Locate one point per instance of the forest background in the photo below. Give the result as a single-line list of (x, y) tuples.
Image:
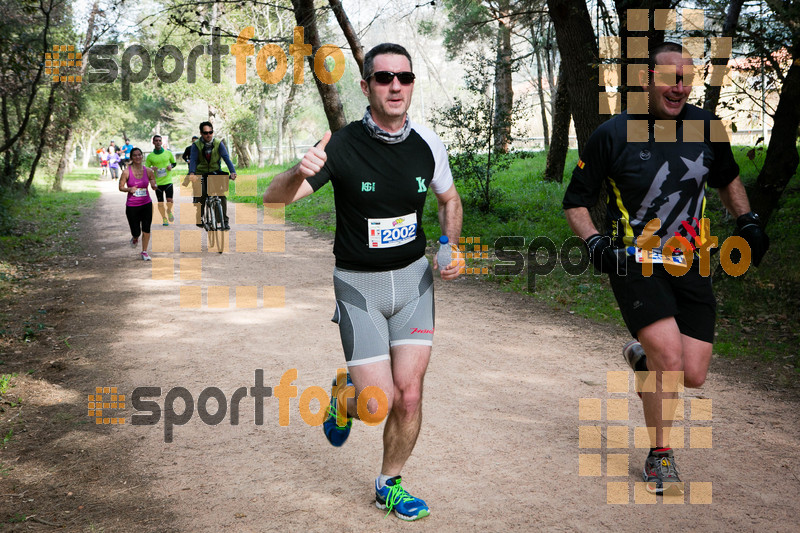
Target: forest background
[(513, 87)]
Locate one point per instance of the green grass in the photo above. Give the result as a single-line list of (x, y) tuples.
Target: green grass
[(316, 211), (36, 227), (764, 304), (36, 221), (5, 383)]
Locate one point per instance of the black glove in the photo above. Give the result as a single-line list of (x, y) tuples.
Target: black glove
[(748, 226), (604, 257)]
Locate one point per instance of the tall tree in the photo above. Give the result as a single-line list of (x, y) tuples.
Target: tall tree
[(556, 155), (782, 160), (349, 33), (472, 20), (503, 87), (652, 34), (728, 30), (579, 59), (73, 100), (25, 36), (306, 17)]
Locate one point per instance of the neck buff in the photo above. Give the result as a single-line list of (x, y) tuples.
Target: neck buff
[(376, 132), (157, 150)]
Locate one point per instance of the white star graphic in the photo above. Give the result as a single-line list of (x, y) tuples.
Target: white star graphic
[(695, 169)]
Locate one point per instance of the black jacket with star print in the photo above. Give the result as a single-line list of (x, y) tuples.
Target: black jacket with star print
[(662, 178)]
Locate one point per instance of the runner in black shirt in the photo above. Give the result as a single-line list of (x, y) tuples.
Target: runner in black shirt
[(671, 316), (187, 154), (381, 168)]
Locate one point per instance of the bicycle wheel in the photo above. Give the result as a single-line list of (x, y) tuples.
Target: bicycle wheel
[(209, 223), (218, 214), (219, 240)]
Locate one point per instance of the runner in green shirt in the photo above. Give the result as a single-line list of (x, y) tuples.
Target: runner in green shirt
[(161, 161)]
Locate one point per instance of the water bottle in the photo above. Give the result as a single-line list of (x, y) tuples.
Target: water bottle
[(444, 255)]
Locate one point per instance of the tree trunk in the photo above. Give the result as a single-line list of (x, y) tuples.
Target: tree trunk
[(24, 118), (537, 51), (576, 43), (556, 156), (241, 150), (64, 161), (42, 134), (550, 57), (88, 148), (72, 101), (261, 126), (287, 113), (331, 103), (728, 30), (277, 156), (349, 33), (579, 57), (7, 177), (248, 147), (653, 36), (504, 89), (781, 161)]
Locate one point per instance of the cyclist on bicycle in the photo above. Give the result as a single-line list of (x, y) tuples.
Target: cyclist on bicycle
[(205, 159)]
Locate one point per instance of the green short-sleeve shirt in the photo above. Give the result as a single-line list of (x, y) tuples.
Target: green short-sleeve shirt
[(161, 162)]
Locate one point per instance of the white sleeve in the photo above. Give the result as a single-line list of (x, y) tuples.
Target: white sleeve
[(442, 177)]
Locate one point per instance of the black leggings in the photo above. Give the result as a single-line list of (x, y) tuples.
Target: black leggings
[(139, 218)]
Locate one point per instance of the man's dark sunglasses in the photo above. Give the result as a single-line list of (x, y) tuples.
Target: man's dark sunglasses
[(384, 77), (669, 79), (207, 132)]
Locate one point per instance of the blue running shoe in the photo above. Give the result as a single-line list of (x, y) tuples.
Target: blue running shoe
[(336, 434), (393, 497)]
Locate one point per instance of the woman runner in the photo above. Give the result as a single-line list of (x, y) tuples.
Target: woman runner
[(139, 206)]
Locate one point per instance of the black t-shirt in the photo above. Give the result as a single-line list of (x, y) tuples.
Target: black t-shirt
[(379, 192), (647, 180)]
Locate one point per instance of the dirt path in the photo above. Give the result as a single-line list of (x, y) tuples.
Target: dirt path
[(499, 448)]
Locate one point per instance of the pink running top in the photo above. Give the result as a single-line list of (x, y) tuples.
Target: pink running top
[(141, 183)]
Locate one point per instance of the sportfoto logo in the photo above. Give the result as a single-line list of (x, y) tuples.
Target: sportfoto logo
[(102, 58), (149, 411), (542, 255)]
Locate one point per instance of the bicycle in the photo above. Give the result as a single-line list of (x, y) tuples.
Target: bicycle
[(213, 216)]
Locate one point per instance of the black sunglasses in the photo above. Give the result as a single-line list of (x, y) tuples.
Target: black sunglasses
[(207, 132), (669, 79), (384, 77)]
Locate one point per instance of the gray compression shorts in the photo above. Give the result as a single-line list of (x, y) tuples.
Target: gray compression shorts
[(378, 310)]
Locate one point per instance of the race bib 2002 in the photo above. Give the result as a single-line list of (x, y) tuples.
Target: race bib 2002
[(391, 232)]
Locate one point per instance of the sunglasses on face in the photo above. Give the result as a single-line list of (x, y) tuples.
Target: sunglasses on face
[(207, 132), (669, 79), (384, 77)]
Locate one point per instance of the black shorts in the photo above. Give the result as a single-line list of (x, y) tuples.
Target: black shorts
[(644, 300), (139, 218), (164, 189)]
